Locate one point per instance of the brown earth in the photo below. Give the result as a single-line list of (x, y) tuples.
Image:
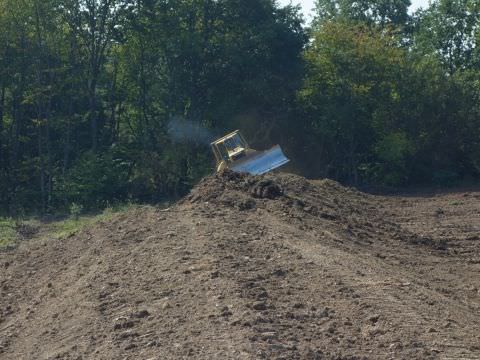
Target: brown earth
[(245, 267)]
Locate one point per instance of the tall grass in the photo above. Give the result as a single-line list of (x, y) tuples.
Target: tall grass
[(8, 232)]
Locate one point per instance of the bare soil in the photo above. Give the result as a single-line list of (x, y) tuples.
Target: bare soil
[(273, 267)]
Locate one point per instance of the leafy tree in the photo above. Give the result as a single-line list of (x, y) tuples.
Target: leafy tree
[(376, 112), (208, 62), (379, 12), (89, 89), (446, 30), (349, 94), (95, 25)]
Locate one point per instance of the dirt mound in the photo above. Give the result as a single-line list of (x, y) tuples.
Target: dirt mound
[(360, 216), (234, 190), (220, 188), (245, 267), (281, 194)]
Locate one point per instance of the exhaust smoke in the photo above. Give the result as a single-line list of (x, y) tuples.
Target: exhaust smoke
[(183, 131)]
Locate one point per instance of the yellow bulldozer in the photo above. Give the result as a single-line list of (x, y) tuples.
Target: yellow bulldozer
[(232, 152)]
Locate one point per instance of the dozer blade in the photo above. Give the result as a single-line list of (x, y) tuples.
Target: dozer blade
[(261, 162)]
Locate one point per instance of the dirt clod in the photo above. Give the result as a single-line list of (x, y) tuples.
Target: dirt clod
[(141, 314)]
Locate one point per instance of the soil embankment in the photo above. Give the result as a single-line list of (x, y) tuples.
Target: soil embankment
[(248, 267)]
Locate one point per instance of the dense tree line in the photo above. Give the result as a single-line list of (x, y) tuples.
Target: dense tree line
[(391, 98), (368, 94)]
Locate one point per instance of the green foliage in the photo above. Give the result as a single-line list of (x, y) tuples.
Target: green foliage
[(70, 226), (392, 151), (96, 179), (8, 233), (371, 95), (446, 30), (379, 12), (376, 111), (446, 178), (394, 147), (75, 211), (350, 93)]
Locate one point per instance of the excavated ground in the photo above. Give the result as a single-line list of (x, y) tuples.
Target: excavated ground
[(273, 267)]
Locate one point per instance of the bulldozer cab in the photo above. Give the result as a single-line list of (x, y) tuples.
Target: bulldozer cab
[(230, 148), (232, 152)]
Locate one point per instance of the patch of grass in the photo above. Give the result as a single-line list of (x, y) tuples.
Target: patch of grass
[(77, 222), (8, 232), (12, 230), (69, 227)]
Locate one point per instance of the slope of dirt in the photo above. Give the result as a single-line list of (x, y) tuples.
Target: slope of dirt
[(246, 267)]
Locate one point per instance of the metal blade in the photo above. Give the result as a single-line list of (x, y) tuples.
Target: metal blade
[(262, 162)]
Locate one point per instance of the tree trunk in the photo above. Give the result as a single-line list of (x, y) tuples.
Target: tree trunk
[(143, 98), (2, 107), (42, 170), (3, 170), (73, 64), (113, 103), (14, 150), (49, 155), (67, 146), (92, 102)]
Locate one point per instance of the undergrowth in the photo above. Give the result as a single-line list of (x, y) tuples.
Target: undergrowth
[(8, 233), (11, 230), (77, 222)]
